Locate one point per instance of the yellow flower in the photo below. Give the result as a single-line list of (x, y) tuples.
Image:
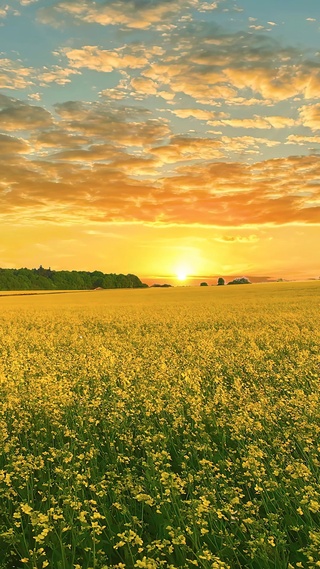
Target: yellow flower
[(26, 509)]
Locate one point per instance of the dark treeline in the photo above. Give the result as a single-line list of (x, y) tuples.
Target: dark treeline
[(46, 279)]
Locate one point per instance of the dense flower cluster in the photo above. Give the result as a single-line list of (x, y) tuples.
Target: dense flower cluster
[(157, 428)]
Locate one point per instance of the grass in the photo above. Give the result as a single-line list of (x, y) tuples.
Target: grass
[(172, 428)]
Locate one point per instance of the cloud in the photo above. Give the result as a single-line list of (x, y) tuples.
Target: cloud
[(35, 96), (16, 115), (94, 153), (93, 57), (58, 138), (208, 6), (4, 11), (244, 143), (136, 14), (137, 166), (167, 95), (10, 145), (237, 239), (189, 148), (209, 64), (302, 140), (113, 94), (310, 116), (277, 192), (258, 122), (200, 114), (204, 87), (194, 58), (144, 86), (182, 148), (278, 84), (255, 122), (111, 162), (56, 74), (281, 121), (248, 102), (124, 126), (13, 75), (7, 9)]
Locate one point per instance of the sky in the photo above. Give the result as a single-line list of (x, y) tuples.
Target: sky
[(164, 138)]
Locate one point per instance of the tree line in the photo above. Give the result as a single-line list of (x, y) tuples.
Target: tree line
[(46, 279), (222, 282)]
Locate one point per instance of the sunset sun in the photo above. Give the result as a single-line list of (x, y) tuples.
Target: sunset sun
[(182, 275)]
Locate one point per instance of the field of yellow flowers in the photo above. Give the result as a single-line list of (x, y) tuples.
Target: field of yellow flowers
[(161, 428)]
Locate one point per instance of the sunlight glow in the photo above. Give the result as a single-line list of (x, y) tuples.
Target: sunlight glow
[(181, 275)]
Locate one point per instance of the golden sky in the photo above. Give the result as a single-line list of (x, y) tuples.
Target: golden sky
[(156, 137)]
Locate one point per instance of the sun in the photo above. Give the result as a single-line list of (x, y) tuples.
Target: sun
[(182, 275)]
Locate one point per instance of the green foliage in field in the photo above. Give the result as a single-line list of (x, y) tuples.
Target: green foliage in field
[(46, 279), (150, 429)]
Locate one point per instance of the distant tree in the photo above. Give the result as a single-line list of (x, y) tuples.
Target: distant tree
[(203, 284), (221, 281), (47, 273), (241, 280)]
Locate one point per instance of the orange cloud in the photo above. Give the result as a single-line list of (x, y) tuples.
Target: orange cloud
[(302, 140), (210, 68), (310, 116), (56, 74), (136, 14), (93, 57), (15, 115), (96, 162), (258, 122), (13, 75), (243, 143), (200, 114), (220, 194), (181, 148), (9, 145), (144, 86), (127, 126), (237, 239)]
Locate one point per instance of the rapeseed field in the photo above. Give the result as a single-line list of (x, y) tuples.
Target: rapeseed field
[(161, 428)]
